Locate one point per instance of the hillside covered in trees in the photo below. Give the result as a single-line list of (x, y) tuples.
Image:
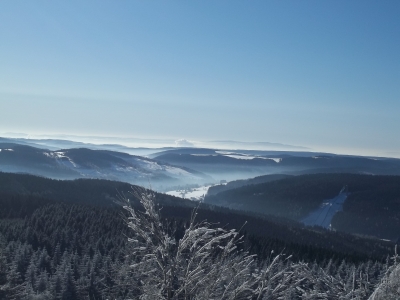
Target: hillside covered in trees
[(372, 207), (68, 239)]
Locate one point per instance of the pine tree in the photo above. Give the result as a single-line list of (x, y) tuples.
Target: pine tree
[(56, 284), (14, 288), (31, 272), (3, 275), (69, 290), (42, 282)]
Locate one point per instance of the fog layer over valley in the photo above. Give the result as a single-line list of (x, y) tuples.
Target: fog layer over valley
[(243, 164), (87, 163)]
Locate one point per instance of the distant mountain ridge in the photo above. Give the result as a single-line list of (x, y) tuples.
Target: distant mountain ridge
[(168, 168), (239, 164), (255, 145), (87, 163), (56, 144), (128, 142)]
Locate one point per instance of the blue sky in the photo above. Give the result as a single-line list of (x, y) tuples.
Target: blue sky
[(320, 74)]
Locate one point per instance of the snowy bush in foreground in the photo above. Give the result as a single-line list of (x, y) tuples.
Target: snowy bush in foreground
[(205, 263), (389, 288)]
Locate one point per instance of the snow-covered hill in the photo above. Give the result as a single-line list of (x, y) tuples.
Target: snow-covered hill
[(86, 163)]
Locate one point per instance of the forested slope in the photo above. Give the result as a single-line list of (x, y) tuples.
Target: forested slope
[(19, 192), (215, 189), (71, 251), (372, 207)]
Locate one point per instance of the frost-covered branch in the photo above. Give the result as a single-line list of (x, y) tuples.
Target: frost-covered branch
[(206, 263)]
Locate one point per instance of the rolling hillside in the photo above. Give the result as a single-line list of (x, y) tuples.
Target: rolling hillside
[(22, 195), (243, 182), (240, 164), (371, 208), (87, 163)]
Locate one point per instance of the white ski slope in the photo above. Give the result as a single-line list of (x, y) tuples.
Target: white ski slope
[(324, 214)]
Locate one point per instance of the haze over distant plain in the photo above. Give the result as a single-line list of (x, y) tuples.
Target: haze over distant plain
[(319, 74)]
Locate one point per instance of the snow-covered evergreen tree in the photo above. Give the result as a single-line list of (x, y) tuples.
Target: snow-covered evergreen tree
[(389, 288)]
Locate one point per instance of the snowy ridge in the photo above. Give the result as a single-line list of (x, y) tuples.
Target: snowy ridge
[(238, 155)]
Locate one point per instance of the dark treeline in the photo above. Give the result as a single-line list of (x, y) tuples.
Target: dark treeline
[(97, 192), (65, 251)]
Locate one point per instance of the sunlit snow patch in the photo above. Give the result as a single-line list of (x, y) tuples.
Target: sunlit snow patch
[(58, 156), (237, 155), (277, 160), (240, 156), (194, 194)]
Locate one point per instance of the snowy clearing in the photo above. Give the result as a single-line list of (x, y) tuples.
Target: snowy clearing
[(194, 194), (324, 214)]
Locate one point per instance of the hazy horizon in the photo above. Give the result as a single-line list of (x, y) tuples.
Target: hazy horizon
[(137, 142), (324, 75)]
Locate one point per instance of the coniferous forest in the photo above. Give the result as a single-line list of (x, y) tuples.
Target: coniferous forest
[(82, 246)]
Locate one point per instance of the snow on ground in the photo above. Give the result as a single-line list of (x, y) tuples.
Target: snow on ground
[(225, 152), (323, 215), (58, 156), (194, 194), (237, 155), (172, 171), (277, 160), (123, 169), (150, 165), (55, 154), (7, 150), (131, 166)]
